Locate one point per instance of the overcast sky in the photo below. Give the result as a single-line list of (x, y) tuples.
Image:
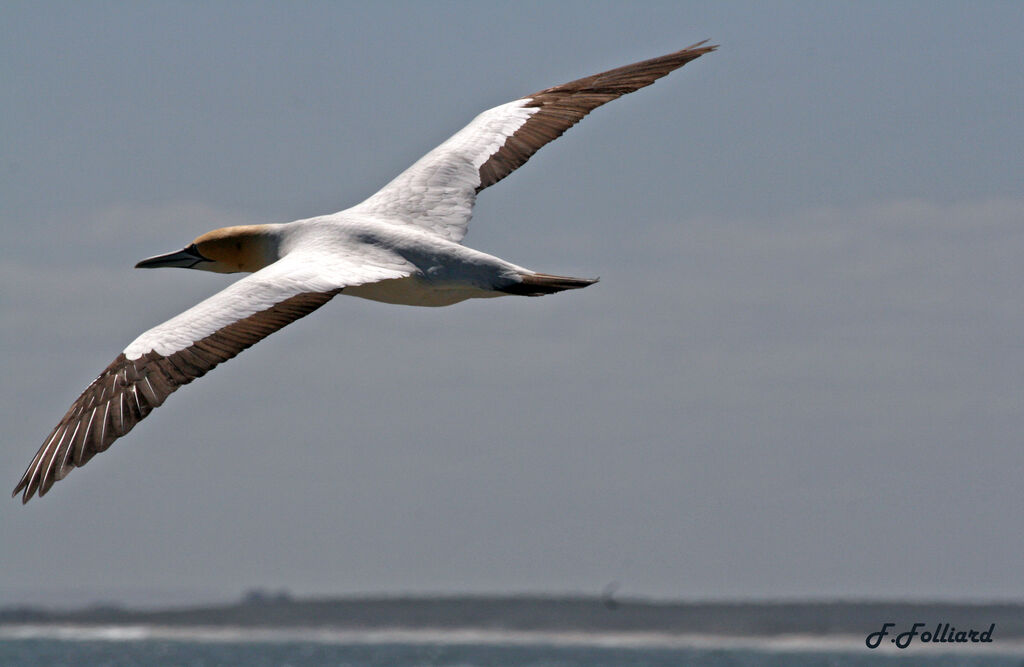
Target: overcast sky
[(800, 375)]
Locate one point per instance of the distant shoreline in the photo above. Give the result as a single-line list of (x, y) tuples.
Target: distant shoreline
[(514, 618)]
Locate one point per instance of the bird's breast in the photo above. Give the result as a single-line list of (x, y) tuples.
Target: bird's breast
[(416, 290)]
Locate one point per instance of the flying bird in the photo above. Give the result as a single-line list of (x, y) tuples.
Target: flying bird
[(402, 246)]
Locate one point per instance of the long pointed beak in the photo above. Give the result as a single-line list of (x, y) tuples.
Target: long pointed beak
[(185, 259)]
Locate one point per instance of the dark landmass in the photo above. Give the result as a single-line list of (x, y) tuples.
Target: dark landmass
[(525, 613)]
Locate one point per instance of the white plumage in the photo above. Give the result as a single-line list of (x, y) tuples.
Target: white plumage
[(400, 246)]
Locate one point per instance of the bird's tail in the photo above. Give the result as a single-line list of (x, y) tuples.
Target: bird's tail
[(539, 284)]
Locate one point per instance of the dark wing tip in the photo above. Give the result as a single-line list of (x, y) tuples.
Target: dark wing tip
[(698, 45), (129, 389), (628, 78), (558, 108), (28, 482)]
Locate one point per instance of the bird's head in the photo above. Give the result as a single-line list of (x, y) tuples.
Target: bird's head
[(244, 248)]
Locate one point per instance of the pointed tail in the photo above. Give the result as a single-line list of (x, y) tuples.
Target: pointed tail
[(539, 284)]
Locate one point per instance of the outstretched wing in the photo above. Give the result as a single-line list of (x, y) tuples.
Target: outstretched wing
[(184, 348), (439, 190)]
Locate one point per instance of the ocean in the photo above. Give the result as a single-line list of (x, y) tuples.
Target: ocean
[(127, 646)]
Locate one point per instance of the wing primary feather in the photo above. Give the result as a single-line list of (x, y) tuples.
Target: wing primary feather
[(62, 471), (51, 458), (129, 389), (80, 444), (29, 479)]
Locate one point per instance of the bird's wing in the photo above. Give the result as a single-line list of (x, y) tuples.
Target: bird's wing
[(186, 347), (437, 192)]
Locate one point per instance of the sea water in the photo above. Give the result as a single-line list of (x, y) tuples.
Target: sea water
[(149, 647)]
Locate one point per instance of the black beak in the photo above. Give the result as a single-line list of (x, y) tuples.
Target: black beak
[(185, 259)]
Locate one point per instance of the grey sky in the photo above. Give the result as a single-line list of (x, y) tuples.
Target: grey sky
[(799, 376)]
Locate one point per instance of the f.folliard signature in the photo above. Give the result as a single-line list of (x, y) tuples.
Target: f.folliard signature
[(944, 633)]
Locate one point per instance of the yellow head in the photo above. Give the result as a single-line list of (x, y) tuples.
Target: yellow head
[(227, 250)]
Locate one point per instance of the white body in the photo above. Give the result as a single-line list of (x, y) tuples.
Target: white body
[(355, 252)]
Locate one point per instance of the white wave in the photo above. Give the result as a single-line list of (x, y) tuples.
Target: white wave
[(638, 640)]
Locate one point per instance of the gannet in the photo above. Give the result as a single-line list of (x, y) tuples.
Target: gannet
[(401, 246)]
